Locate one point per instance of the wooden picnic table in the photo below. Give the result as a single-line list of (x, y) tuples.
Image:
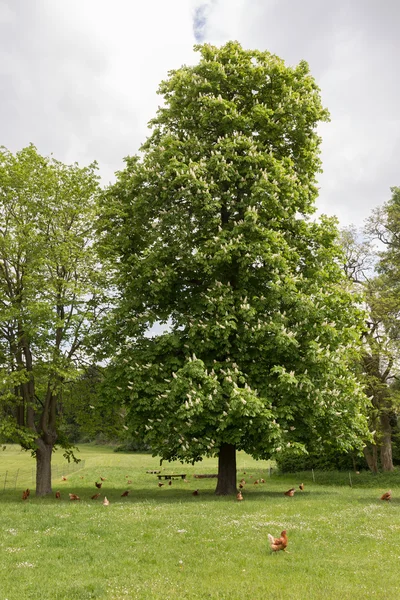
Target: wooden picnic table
[(172, 476)]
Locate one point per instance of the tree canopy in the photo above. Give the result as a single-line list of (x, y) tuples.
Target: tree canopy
[(383, 297), (211, 233), (49, 292)]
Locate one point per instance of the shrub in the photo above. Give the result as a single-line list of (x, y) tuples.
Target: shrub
[(288, 462), (134, 445)]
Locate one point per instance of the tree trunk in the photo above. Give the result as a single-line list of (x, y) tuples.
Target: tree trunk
[(386, 443), (226, 470), (371, 458), (43, 468)]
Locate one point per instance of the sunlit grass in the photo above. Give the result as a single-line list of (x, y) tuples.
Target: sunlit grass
[(166, 543)]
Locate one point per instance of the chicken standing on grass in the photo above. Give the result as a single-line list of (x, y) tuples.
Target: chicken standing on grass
[(95, 496), (387, 496), (98, 485), (74, 497), (278, 543), (290, 492), (125, 494), (105, 501), (301, 487), (58, 495)]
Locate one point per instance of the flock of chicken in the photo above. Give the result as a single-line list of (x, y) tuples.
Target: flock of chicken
[(282, 542), (276, 544), (242, 483), (98, 484)]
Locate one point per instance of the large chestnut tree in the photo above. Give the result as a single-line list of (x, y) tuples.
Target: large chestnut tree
[(210, 232)]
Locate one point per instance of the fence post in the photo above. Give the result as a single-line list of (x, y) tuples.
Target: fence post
[(5, 481), (16, 479)]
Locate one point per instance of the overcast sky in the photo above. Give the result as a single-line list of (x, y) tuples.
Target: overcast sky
[(78, 78)]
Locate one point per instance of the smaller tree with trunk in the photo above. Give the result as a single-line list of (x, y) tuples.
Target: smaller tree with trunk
[(211, 235), (380, 365), (381, 360), (49, 293)]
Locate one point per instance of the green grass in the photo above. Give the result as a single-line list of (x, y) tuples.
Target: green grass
[(165, 543)]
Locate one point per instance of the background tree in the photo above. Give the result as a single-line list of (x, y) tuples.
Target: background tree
[(381, 344), (49, 291), (86, 413), (380, 362), (211, 234), (383, 297)]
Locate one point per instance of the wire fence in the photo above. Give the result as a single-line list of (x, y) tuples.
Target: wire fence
[(9, 480)]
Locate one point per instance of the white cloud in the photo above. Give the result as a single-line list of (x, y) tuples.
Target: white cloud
[(352, 49), (6, 14), (79, 78), (82, 78), (224, 20)]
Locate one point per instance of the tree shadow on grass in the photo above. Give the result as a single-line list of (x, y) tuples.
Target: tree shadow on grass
[(170, 495), (375, 499)]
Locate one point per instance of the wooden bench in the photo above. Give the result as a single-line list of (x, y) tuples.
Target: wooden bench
[(181, 475)]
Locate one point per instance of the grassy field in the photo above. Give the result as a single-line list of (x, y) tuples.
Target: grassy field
[(166, 543)]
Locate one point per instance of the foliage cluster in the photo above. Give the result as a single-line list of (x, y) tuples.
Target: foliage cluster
[(51, 290), (212, 235), (375, 271), (288, 462)]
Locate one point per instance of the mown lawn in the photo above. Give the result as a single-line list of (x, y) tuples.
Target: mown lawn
[(166, 543)]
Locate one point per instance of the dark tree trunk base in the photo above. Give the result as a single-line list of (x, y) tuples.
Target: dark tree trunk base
[(226, 485), (371, 458), (43, 468), (386, 443)]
